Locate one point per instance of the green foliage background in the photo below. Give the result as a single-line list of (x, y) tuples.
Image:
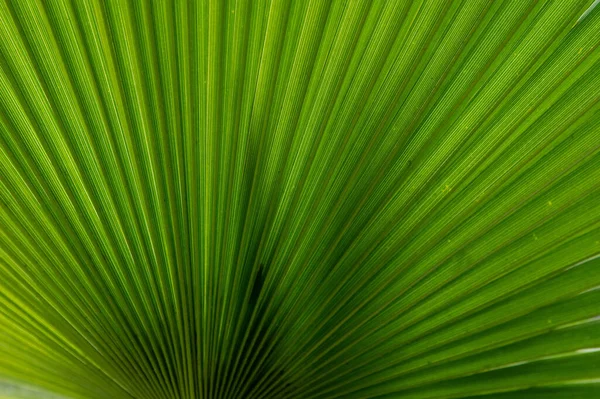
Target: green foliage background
[(300, 199)]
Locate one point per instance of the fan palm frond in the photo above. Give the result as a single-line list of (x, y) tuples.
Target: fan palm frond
[(300, 199)]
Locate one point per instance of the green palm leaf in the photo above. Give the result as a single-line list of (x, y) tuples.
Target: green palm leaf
[(299, 199)]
